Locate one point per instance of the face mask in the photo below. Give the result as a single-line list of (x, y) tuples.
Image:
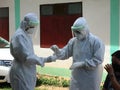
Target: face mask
[(80, 34), (31, 30), (116, 67)]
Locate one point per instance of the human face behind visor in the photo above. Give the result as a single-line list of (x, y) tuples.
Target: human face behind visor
[(80, 34), (79, 28), (30, 23), (31, 30)]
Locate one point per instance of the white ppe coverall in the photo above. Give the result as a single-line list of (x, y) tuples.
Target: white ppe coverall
[(89, 51), (23, 70)]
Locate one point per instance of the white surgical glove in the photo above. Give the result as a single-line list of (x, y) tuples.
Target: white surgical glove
[(50, 59), (41, 61), (55, 48), (77, 65)]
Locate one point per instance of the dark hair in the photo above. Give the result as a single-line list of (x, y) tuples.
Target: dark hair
[(116, 54)]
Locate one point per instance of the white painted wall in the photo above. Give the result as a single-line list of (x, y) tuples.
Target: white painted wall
[(97, 13)]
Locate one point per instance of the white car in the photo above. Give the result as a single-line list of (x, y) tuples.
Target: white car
[(5, 62)]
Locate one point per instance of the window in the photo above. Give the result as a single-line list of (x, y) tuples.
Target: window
[(47, 10), (4, 12), (75, 8)]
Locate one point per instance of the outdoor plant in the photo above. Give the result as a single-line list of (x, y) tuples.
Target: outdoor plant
[(52, 80)]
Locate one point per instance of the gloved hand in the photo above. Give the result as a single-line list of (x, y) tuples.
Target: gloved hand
[(41, 61), (50, 59), (33, 59), (77, 65), (55, 48)]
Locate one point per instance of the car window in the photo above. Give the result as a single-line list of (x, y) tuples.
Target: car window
[(4, 43)]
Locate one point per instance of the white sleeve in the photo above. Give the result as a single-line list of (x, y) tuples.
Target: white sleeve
[(98, 55)]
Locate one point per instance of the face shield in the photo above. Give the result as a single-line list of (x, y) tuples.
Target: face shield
[(80, 35), (31, 24), (79, 32), (79, 28)]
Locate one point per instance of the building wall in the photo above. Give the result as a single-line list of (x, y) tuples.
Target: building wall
[(97, 13)]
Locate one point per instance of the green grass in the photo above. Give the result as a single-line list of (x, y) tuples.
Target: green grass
[(54, 71), (104, 76), (6, 89)]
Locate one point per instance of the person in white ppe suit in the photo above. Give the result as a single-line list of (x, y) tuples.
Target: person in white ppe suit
[(23, 70), (87, 51)]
